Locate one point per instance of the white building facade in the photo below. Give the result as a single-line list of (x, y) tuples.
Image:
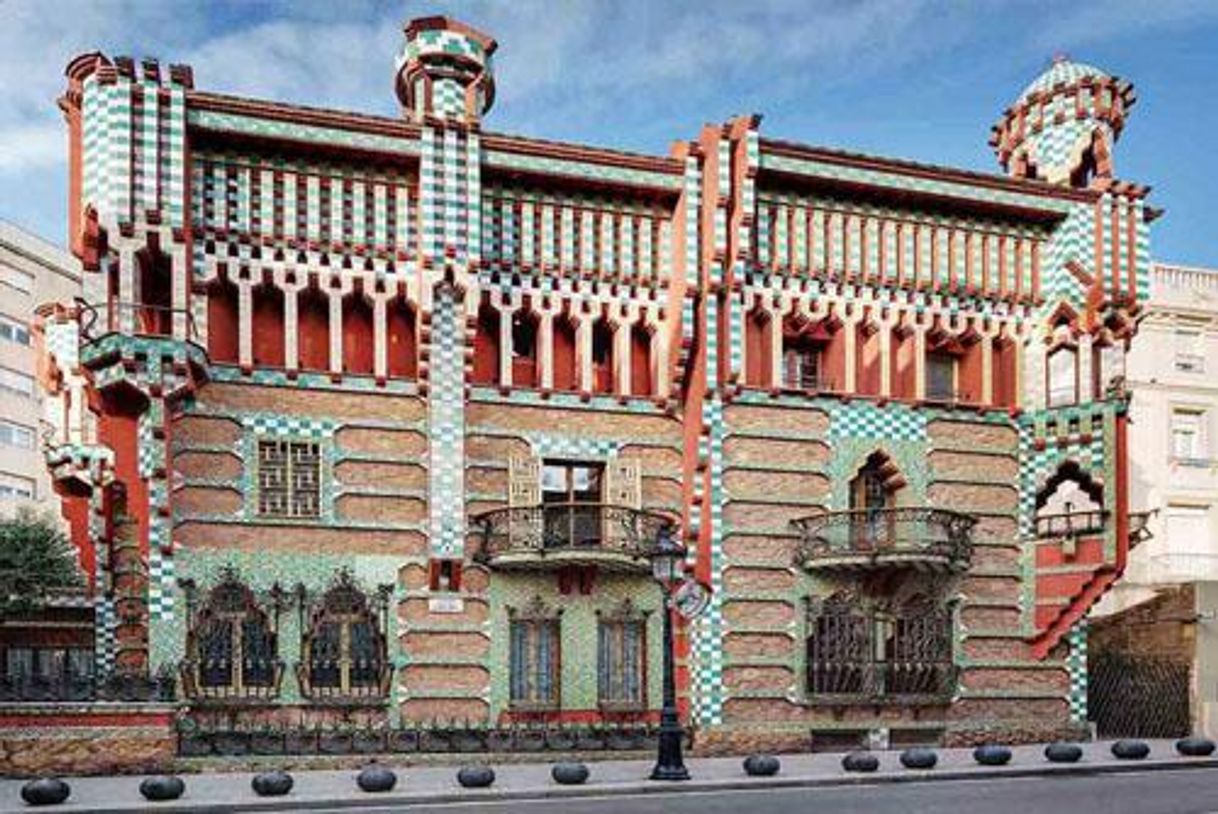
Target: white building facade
[(32, 271)]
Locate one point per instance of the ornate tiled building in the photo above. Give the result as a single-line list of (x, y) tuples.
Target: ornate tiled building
[(379, 417)]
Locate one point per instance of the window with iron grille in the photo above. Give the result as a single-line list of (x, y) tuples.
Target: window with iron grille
[(534, 663), (620, 664), (231, 645), (801, 366), (859, 649), (344, 649), (289, 478)]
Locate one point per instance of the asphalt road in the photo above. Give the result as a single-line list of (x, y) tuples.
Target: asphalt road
[(1193, 791)]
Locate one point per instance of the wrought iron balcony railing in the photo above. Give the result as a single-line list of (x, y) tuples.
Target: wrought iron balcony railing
[(220, 681), (100, 318), (343, 682), (553, 535), (876, 538), (1071, 524)]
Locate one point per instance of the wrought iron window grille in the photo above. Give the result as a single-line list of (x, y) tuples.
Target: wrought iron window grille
[(232, 643), (861, 651), (344, 643)]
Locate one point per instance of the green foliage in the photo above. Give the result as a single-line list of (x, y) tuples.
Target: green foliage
[(36, 560)]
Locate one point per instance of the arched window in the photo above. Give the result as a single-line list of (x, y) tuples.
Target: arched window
[(401, 347), (231, 643), (155, 314), (358, 335), (486, 346), (267, 326), (602, 356), (343, 649), (1062, 376), (872, 495), (223, 326), (313, 330), (1070, 503), (640, 360), (524, 349)]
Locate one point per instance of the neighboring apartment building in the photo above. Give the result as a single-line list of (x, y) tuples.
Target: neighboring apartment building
[(1172, 374), (339, 352), (32, 271)]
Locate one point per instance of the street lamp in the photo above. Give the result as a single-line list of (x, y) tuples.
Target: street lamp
[(667, 565)]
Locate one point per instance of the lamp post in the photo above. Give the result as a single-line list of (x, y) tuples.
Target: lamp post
[(667, 560)]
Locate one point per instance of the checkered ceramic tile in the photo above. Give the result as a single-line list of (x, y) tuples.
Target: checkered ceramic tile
[(1076, 666), (446, 422), (862, 419)]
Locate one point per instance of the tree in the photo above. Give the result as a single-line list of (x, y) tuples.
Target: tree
[(36, 560)]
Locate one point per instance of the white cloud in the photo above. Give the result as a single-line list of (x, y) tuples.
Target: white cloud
[(567, 68)]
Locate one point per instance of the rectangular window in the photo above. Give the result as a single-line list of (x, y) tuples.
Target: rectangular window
[(17, 280), (620, 664), (1063, 377), (1187, 529), (801, 368), (940, 377), (16, 382), (13, 330), (534, 663), (16, 487), (572, 494), (289, 478), (16, 435), (1190, 357), (1188, 442)]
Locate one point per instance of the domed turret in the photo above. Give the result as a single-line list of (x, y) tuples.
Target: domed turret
[(1063, 126), (444, 70)]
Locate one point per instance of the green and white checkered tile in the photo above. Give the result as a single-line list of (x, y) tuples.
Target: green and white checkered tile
[(446, 420), (1076, 665), (295, 426), (547, 445), (866, 420)]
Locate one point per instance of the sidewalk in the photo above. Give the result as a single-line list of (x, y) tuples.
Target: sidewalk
[(225, 792)]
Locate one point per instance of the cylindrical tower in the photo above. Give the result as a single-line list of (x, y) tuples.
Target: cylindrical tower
[(444, 70), (1063, 126)]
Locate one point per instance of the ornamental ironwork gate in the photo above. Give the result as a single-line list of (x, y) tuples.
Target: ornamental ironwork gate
[(1132, 697)]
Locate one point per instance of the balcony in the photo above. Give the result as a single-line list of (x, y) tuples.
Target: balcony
[(557, 535), (1071, 524), (873, 539), (224, 682)]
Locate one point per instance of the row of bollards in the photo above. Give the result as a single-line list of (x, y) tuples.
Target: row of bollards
[(376, 778)]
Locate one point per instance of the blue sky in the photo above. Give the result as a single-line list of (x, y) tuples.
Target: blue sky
[(915, 79)]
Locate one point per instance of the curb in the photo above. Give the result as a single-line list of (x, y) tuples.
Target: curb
[(649, 787)]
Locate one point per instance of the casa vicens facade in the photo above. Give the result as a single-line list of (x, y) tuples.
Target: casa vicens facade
[(378, 418)]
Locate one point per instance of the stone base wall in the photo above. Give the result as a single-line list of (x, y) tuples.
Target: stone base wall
[(85, 739)]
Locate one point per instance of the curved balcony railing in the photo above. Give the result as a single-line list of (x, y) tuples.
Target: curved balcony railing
[(224, 681), (919, 537), (554, 535), (345, 682), (100, 318)]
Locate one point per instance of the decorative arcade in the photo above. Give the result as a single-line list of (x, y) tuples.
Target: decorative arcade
[(369, 426)]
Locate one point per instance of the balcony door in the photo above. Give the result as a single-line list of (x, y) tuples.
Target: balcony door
[(572, 493), (870, 498)]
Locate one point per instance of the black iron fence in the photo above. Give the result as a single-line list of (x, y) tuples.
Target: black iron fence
[(1137, 697), (33, 687), (452, 738)]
